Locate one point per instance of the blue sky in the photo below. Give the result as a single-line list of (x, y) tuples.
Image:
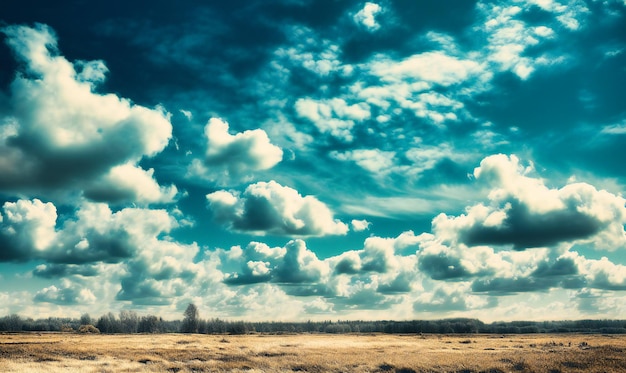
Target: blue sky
[(300, 159)]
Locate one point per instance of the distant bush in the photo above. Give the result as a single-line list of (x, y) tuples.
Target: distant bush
[(88, 329), (66, 328)]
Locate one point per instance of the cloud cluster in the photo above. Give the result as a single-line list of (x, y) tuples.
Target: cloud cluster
[(234, 156), (270, 208), (96, 248), (334, 116), (62, 134), (371, 277), (29, 230), (525, 213), (293, 264), (430, 273)]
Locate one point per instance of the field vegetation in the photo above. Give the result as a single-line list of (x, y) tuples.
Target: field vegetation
[(311, 352)]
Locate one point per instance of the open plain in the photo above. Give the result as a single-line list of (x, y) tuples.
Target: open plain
[(67, 352)]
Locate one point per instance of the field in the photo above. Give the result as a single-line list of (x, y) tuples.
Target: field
[(61, 352)]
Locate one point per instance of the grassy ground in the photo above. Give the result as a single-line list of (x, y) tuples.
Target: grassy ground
[(311, 353)]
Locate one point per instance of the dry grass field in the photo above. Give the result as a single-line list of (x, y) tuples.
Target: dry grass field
[(59, 352)]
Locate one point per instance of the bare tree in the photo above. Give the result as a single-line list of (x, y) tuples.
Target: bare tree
[(191, 321), (129, 321)]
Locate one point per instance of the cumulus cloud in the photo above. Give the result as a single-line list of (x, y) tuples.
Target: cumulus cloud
[(380, 263), (129, 183), (29, 230), (60, 133), (128, 248), (293, 264), (56, 270), (233, 156), (367, 16), (300, 265), (67, 294), (524, 212), (26, 229), (270, 208), (450, 298), (603, 274), (379, 268)]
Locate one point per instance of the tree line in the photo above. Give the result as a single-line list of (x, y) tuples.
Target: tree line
[(130, 322)]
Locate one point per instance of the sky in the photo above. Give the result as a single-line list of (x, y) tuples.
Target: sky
[(314, 159)]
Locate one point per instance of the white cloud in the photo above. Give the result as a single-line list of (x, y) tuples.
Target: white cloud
[(449, 298), (234, 156), (309, 51), (129, 183), (523, 212), (509, 37), (373, 160), (334, 116), (61, 133), (378, 267), (67, 295), (367, 16), (293, 264), (270, 208), (615, 129), (426, 157), (360, 225), (409, 84), (26, 227), (188, 114), (433, 67)]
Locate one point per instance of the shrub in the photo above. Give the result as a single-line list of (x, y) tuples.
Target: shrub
[(88, 329), (66, 328)]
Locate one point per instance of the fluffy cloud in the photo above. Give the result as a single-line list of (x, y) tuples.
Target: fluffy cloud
[(67, 294), (129, 183), (126, 249), (379, 269), (233, 156), (603, 274), (29, 230), (450, 298), (61, 134), (430, 67), (56, 270), (270, 208), (26, 229), (360, 225), (293, 264), (367, 16), (523, 212)]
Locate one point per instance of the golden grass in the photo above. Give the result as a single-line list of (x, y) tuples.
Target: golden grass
[(61, 352)]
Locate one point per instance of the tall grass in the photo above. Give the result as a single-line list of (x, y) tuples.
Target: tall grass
[(64, 352)]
